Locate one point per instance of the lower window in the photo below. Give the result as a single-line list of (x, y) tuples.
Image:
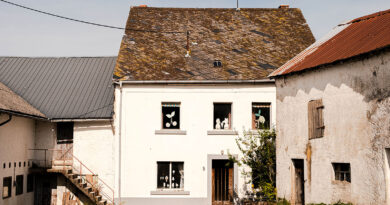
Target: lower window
[(19, 185), (170, 175), (342, 171), (7, 189)]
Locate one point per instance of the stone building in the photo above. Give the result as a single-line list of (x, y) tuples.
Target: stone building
[(333, 117)]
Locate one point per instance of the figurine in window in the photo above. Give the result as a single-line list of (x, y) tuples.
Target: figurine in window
[(261, 120), (225, 124), (218, 124)]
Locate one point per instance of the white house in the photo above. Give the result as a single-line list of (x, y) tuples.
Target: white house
[(17, 123), (333, 123), (188, 82), (74, 101)]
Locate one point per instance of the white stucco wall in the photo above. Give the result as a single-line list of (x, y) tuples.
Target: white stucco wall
[(93, 145), (357, 121), (142, 148), (16, 137)]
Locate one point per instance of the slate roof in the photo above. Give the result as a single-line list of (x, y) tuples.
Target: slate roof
[(250, 43), (357, 37), (11, 102), (63, 88)]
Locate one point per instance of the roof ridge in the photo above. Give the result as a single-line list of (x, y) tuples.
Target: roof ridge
[(57, 56), (200, 8), (370, 16)]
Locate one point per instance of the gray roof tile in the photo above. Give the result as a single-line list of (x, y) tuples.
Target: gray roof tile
[(63, 88)]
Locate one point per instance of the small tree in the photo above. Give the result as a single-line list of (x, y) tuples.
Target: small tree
[(259, 154)]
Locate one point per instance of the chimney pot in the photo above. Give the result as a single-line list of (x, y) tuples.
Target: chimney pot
[(143, 5), (284, 6)]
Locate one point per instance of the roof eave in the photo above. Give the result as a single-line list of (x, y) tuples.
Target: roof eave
[(164, 82)]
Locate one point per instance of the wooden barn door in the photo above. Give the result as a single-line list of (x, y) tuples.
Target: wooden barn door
[(299, 185), (222, 182), (64, 145)]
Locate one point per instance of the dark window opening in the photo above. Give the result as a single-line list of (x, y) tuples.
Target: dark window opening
[(170, 175), (261, 115), (20, 164), (30, 182), (217, 63), (19, 185), (65, 132), (342, 171), (4, 165), (9, 165), (171, 115), (7, 189), (24, 164), (222, 116), (316, 119)]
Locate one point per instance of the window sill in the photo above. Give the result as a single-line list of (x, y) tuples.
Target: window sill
[(222, 132), (169, 192), (170, 132)]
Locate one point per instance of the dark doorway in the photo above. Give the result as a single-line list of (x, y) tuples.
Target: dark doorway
[(299, 182), (222, 182), (44, 184)]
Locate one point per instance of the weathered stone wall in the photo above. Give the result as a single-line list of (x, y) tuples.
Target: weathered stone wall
[(356, 96)]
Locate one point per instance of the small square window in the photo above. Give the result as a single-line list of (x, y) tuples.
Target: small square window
[(261, 115), (19, 184), (7, 189), (222, 116), (170, 175), (30, 182), (342, 171), (171, 115), (65, 132)]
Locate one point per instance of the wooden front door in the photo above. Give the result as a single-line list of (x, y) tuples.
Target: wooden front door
[(222, 182), (299, 185)]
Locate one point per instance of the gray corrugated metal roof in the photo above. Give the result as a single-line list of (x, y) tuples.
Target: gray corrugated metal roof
[(63, 88)]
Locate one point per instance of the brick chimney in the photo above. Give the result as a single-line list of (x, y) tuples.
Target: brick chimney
[(284, 6)]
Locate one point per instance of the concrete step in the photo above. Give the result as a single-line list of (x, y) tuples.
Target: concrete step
[(88, 188), (98, 197), (102, 202)]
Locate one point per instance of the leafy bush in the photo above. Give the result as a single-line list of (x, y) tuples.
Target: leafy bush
[(259, 154)]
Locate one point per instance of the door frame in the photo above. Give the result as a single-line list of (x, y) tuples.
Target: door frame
[(209, 168), (293, 191)]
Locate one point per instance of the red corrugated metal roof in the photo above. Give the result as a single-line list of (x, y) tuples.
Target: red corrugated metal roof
[(356, 37)]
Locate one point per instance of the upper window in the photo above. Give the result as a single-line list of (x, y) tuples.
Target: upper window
[(30, 182), (342, 171), (65, 132), (316, 119), (261, 115), (170, 175), (19, 184), (222, 116), (7, 189), (171, 115)]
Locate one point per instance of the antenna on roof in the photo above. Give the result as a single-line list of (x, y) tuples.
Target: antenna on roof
[(188, 45)]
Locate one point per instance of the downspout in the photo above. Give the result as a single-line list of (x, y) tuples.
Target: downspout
[(120, 144), (7, 121)]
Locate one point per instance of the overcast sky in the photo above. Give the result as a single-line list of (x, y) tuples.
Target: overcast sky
[(26, 33)]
